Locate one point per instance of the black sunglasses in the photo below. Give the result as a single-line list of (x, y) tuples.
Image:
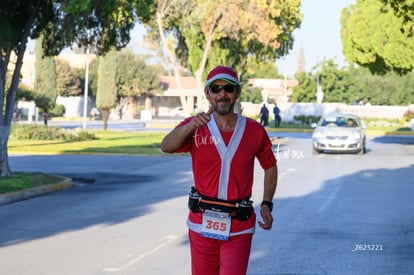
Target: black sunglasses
[(228, 88)]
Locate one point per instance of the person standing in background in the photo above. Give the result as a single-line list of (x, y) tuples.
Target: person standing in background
[(264, 116), (278, 119)]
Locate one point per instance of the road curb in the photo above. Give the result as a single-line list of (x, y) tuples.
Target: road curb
[(35, 191)]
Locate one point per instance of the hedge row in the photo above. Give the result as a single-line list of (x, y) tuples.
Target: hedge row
[(43, 132)]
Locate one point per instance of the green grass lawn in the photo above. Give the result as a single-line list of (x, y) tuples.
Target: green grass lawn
[(131, 143), (21, 180)]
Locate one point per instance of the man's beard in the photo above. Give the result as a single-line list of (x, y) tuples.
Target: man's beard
[(224, 111)]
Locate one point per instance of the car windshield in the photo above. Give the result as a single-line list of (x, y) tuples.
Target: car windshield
[(339, 121)]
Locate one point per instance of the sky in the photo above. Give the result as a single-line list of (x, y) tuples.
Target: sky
[(319, 35)]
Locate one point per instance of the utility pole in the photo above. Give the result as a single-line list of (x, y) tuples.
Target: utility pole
[(285, 81), (85, 99), (319, 91), (286, 44)]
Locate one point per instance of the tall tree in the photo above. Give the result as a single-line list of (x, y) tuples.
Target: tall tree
[(62, 23), (337, 84), (374, 37), (388, 89), (403, 9), (167, 10), (261, 69), (229, 31), (134, 78), (208, 33), (67, 82), (45, 81), (106, 94), (354, 85)]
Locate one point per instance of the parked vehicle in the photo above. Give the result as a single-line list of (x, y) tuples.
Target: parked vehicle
[(177, 112), (343, 133)]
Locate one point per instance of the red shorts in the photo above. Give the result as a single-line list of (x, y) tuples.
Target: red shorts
[(215, 257)]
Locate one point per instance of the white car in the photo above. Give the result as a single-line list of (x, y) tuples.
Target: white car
[(342, 133), (177, 112)]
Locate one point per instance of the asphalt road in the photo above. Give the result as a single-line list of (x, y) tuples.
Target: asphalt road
[(334, 214)]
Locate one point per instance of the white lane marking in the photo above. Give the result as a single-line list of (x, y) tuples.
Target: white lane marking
[(141, 256)]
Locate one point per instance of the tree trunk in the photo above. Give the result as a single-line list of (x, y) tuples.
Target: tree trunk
[(132, 107), (105, 117), (202, 101), (148, 103), (4, 158), (45, 116), (7, 116), (173, 61)]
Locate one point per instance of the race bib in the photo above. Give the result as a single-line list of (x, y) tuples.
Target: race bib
[(216, 225)]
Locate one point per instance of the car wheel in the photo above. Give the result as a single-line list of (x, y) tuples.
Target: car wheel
[(315, 151), (364, 149)]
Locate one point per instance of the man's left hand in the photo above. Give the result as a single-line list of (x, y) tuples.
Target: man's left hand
[(267, 218)]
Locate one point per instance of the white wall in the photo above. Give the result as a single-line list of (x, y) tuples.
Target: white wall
[(289, 110), (27, 109), (74, 105)]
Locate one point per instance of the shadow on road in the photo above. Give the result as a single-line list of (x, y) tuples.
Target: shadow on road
[(360, 223), (107, 193), (404, 140)]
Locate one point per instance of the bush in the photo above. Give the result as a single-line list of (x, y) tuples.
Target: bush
[(42, 132), (251, 95), (380, 122), (57, 111), (307, 120)]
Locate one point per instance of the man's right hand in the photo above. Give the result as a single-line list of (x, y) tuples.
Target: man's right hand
[(201, 119), (179, 135)]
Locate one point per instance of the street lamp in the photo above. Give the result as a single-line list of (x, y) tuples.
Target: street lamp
[(85, 100), (285, 81), (286, 45), (319, 92)]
